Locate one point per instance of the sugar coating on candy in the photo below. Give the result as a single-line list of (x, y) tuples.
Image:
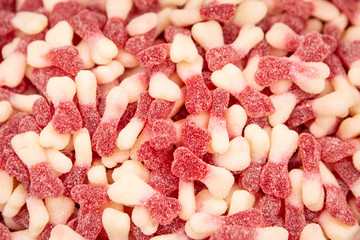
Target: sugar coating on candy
[(138, 234), (163, 134), (312, 48), (153, 55), (336, 205), (301, 113), (75, 177), (248, 218), (159, 109), (294, 221), (198, 97), (176, 225), (187, 165), (310, 152), (43, 182), (130, 112), (144, 105), (63, 11), (138, 43), (275, 180), (67, 58), (218, 12), (171, 31), (90, 117), (5, 22), (335, 65), (90, 197), (299, 8), (22, 218), (333, 149), (218, 57), (250, 177), (230, 32), (234, 232), (300, 94), (163, 180), (271, 69), (296, 23), (4, 232), (115, 30), (29, 124), (31, 5), (42, 112), (255, 103), (85, 24), (17, 168), (152, 158), (67, 118), (26, 40), (98, 12), (162, 209), (348, 52), (167, 67), (104, 138), (195, 138), (89, 224), (270, 207), (347, 171)]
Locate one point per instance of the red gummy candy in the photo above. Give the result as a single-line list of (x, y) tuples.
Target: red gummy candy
[(218, 12), (295, 7), (90, 117), (67, 58), (5, 22), (295, 22), (64, 11), (302, 112), (348, 52), (85, 24), (271, 69), (171, 31), (4, 232), (188, 166), (26, 40), (234, 232), (270, 207), (31, 5), (45, 234), (198, 97), (99, 13), (128, 114), (153, 55), (335, 65), (138, 234), (195, 138), (22, 217), (334, 149), (27, 124), (163, 134), (230, 32), (312, 48), (104, 138), (67, 118), (250, 178), (152, 158), (163, 180), (159, 109), (218, 57), (115, 30), (143, 4), (90, 197), (163, 209), (138, 43), (275, 180), (143, 106), (250, 218), (294, 220), (42, 112), (167, 67), (17, 168), (43, 181), (75, 177), (175, 226), (89, 224)]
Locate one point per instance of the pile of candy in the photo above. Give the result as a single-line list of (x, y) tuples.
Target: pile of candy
[(179, 119)]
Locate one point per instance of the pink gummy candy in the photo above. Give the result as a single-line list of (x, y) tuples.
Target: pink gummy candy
[(294, 220), (188, 166), (163, 134), (195, 138), (28, 123), (250, 218), (138, 234), (63, 11), (26, 40), (312, 48), (43, 181), (349, 52), (301, 113), (5, 22), (22, 218), (295, 22), (159, 109), (115, 30), (98, 12), (310, 150), (349, 7), (234, 232), (17, 168), (143, 4), (275, 180), (295, 7), (230, 32), (66, 58), (270, 207), (144, 104), (45, 234), (67, 118), (171, 31), (335, 65), (153, 55), (90, 117), (104, 138), (89, 224), (90, 197), (162, 209), (75, 177), (271, 69), (198, 97), (250, 177), (163, 180), (218, 57), (31, 5), (175, 226), (333, 149), (219, 104), (218, 12), (85, 24), (152, 158), (4, 232), (138, 43), (261, 49), (167, 67), (129, 113), (42, 112)]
